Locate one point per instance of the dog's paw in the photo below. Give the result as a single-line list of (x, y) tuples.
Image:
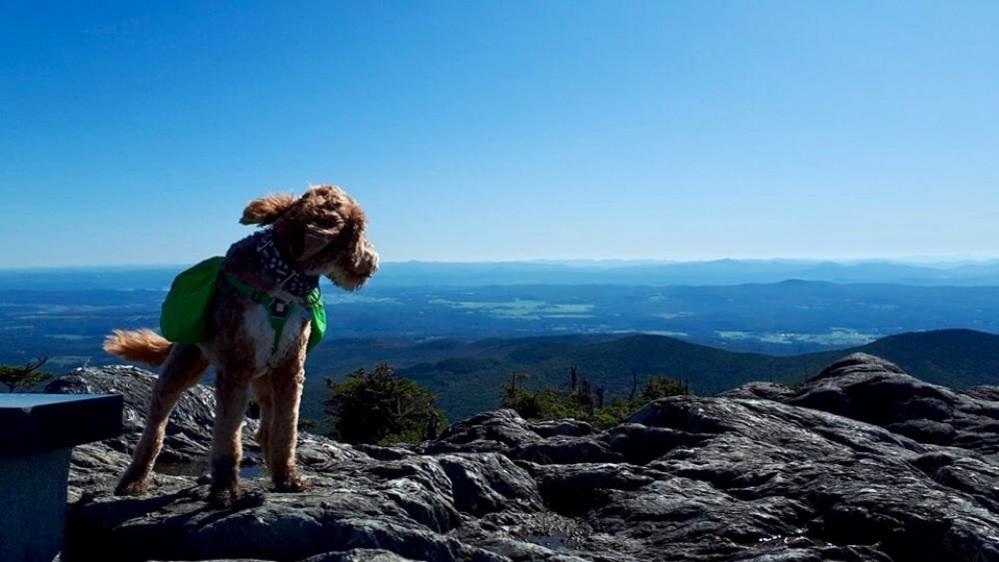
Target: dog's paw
[(225, 498), (131, 487), (293, 485)]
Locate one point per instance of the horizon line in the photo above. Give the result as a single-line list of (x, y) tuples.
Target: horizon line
[(908, 260)]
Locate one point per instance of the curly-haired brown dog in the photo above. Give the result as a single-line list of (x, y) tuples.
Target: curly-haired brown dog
[(319, 233)]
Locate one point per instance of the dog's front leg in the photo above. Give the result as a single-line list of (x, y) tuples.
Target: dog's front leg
[(231, 394), (287, 381)]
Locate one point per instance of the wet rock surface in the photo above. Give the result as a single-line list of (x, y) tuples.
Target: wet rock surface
[(862, 462)]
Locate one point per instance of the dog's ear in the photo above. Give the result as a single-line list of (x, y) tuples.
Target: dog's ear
[(267, 209), (317, 238)]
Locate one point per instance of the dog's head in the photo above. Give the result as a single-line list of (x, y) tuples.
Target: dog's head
[(323, 231)]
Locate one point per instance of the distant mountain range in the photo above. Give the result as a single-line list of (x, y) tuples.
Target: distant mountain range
[(414, 273), (462, 328), (718, 272), (467, 376)]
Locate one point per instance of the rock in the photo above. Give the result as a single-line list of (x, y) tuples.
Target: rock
[(355, 555), (188, 433), (486, 432), (358, 555), (861, 463), (765, 390), (566, 450), (869, 389), (640, 444), (569, 428)]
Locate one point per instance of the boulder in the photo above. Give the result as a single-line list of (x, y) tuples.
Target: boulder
[(861, 462)]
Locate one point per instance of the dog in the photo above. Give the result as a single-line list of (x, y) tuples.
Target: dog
[(320, 233)]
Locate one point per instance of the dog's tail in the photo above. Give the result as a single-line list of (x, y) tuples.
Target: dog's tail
[(144, 346)]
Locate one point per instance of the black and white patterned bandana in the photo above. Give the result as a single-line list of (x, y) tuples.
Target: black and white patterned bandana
[(298, 284)]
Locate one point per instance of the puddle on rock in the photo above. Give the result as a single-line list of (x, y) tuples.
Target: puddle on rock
[(251, 468)]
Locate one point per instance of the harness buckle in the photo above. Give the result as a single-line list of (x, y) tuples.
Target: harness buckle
[(279, 309)]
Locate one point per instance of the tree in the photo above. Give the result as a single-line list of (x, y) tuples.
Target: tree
[(376, 407), (518, 398), (23, 377), (583, 401), (661, 387), (548, 403)]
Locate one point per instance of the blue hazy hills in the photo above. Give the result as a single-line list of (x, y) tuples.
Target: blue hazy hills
[(460, 328), (415, 273)]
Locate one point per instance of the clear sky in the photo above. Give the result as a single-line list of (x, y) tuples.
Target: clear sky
[(134, 132)]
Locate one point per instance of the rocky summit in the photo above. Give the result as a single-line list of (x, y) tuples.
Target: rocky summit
[(861, 462)]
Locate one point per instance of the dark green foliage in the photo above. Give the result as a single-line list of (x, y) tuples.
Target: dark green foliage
[(617, 411), (583, 402), (516, 397), (661, 387), (376, 407), (23, 377)]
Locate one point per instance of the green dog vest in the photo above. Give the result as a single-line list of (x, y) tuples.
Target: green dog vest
[(184, 315)]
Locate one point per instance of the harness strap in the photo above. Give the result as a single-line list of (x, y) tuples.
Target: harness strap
[(277, 309)]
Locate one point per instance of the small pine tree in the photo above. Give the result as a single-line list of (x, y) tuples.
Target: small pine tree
[(661, 387), (518, 398), (23, 377), (583, 401), (376, 407)]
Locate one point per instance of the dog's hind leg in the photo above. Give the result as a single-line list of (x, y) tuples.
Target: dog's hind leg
[(183, 368), (231, 395), (262, 392)]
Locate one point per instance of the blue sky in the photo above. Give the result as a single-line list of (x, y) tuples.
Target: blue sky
[(134, 133)]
